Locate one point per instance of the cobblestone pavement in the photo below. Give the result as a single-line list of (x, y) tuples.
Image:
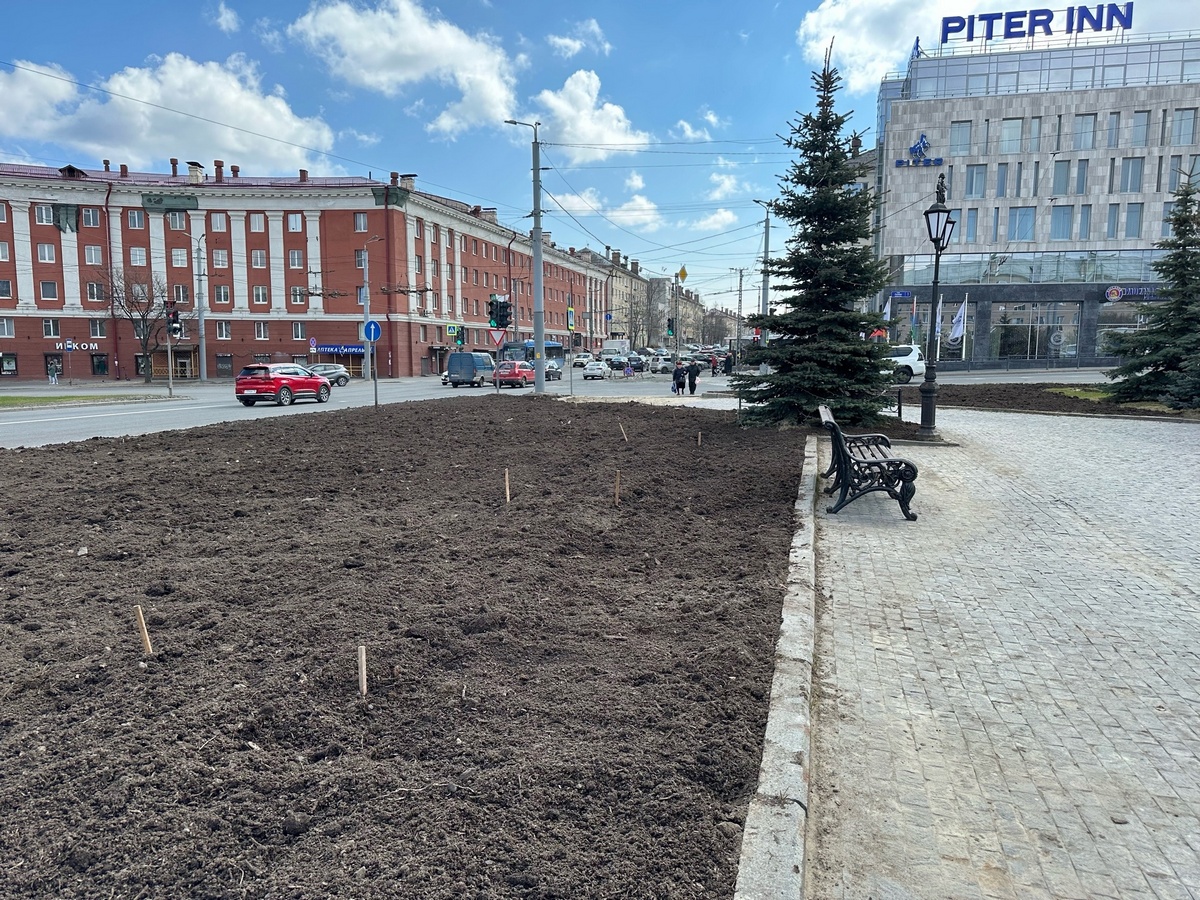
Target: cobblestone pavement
[(1009, 688)]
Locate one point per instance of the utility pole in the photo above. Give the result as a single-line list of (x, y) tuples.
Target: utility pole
[(201, 302), (766, 291), (539, 304), (737, 339), (368, 346)]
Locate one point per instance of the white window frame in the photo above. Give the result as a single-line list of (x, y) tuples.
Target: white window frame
[(6, 288), (50, 328), (262, 331), (93, 254), (360, 221), (295, 259), (3, 211), (298, 295), (295, 222), (95, 291), (7, 326), (299, 332), (224, 331), (221, 293), (258, 259), (181, 294), (220, 259), (91, 217), (258, 222), (46, 253), (136, 219), (43, 214), (260, 294), (179, 258), (218, 222), (3, 251), (137, 256), (97, 328), (176, 220)]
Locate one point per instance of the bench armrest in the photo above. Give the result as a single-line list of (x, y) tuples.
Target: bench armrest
[(867, 439)]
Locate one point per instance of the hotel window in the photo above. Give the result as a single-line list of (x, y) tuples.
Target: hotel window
[(1010, 135), (298, 294), (1081, 176), (95, 291), (1085, 132), (46, 253), (218, 222), (1035, 134), (137, 256), (181, 293), (43, 214), (261, 331), (1114, 215), (176, 220), (1085, 222), (976, 181), (1001, 179), (1140, 135), (1114, 129), (1133, 220), (258, 222), (50, 328), (1020, 223), (137, 218), (1168, 209), (258, 259), (1061, 222), (224, 332), (220, 259), (91, 217), (93, 255), (298, 332), (295, 259), (220, 293), (360, 221), (179, 258), (1183, 127), (49, 290), (97, 328), (972, 226), (295, 222), (260, 293), (1062, 176), (1131, 174)]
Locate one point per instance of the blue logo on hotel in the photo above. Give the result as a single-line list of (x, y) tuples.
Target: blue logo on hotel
[(917, 155)]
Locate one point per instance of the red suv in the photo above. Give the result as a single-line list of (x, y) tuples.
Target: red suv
[(280, 383), (518, 374)]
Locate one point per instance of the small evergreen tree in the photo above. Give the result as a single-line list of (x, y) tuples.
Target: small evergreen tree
[(1162, 361), (819, 354)]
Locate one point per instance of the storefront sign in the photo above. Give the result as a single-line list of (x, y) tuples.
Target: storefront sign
[(342, 349), (917, 155), (1029, 23), (76, 345), (1116, 292)]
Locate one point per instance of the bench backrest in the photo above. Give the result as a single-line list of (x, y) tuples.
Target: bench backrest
[(841, 454)]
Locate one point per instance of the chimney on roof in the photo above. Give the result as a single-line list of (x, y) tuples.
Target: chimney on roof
[(396, 179), (634, 267), (303, 175), (219, 166), (174, 167), (195, 172), (124, 170), (616, 257), (105, 161), (233, 171), (406, 182), (855, 145), (571, 250)]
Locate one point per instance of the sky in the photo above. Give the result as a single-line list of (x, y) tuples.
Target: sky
[(660, 122)]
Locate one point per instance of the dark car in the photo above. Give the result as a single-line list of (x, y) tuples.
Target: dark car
[(279, 383), (335, 372), (636, 361)]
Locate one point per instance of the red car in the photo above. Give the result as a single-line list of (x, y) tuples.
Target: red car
[(279, 383), (517, 374)]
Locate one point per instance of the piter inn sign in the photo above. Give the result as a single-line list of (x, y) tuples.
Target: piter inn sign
[(1032, 22)]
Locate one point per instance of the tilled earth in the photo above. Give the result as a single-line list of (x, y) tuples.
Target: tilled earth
[(566, 696)]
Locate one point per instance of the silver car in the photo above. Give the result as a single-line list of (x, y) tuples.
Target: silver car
[(335, 372)]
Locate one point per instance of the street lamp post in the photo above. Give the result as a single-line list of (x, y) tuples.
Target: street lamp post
[(539, 306), (201, 302), (366, 302), (766, 272), (940, 227)]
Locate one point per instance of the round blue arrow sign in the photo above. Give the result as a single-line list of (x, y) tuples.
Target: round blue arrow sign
[(372, 331)]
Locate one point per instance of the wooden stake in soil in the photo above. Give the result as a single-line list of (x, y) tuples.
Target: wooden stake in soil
[(698, 433), (623, 434), (617, 489), (362, 670), (141, 620), (507, 492)]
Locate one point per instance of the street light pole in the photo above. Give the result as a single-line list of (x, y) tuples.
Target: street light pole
[(539, 306), (940, 226), (366, 302), (766, 288), (201, 302)]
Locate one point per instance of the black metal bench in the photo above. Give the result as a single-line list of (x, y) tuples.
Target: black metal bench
[(864, 463)]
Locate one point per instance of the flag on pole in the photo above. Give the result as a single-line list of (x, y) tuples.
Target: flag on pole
[(937, 322), (916, 50), (887, 310), (960, 322)]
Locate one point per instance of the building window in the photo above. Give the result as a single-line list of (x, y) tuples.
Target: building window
[(1175, 168), (1133, 220), (295, 222), (91, 217), (220, 293), (1131, 174), (3, 211), (1114, 214), (179, 258), (137, 218), (6, 288), (1183, 127), (434, 267), (475, 276), (258, 259), (7, 327), (434, 237), (1140, 134), (1035, 135), (1061, 222), (262, 331), (43, 214), (360, 258), (258, 222), (1081, 176), (976, 181), (422, 336), (224, 332), (1085, 132), (137, 256), (46, 253), (1062, 176), (474, 247), (1001, 179), (95, 291), (299, 332), (260, 293), (360, 221), (1085, 222), (220, 259), (1168, 210), (1114, 129), (295, 259), (419, 230), (97, 328), (139, 292), (1010, 135), (218, 222), (3, 251), (50, 328), (1020, 223), (464, 275), (176, 220), (418, 264), (298, 294), (180, 293)]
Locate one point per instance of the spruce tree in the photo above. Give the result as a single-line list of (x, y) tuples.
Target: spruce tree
[(817, 352), (1162, 360)]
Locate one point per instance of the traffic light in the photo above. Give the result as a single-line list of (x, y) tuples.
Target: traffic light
[(577, 340), (175, 330), (670, 328), (460, 336), (503, 314), (493, 307)]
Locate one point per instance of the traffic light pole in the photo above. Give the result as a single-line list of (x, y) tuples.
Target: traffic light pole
[(539, 305)]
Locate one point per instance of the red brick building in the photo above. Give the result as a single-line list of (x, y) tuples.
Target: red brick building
[(267, 269)]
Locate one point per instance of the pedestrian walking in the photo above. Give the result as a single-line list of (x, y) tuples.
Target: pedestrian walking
[(712, 361), (693, 372), (52, 372), (729, 364), (678, 378)]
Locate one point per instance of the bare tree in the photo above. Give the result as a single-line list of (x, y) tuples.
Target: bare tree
[(139, 298)]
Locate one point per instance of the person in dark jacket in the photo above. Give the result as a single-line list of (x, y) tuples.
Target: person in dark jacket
[(693, 372), (679, 377), (729, 364)]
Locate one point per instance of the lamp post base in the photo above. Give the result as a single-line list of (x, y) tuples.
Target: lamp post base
[(928, 391)]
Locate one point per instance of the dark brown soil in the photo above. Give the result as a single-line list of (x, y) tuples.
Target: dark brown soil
[(1029, 397), (566, 697)]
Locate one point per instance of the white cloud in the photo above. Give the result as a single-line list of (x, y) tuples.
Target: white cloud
[(688, 133), (365, 140), (397, 44), (38, 108), (575, 115), (585, 35), (637, 212), (713, 119), (271, 37), (226, 19), (587, 203), (720, 220), (634, 181), (724, 185)]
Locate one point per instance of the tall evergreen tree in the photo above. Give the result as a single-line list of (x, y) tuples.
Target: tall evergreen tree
[(817, 353), (1162, 360)]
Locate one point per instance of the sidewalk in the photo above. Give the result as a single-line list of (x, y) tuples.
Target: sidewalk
[(1007, 691)]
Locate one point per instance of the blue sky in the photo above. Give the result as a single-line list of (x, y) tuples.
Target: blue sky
[(660, 121)]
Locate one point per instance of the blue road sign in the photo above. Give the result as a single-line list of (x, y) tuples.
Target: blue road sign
[(901, 293), (372, 331)]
